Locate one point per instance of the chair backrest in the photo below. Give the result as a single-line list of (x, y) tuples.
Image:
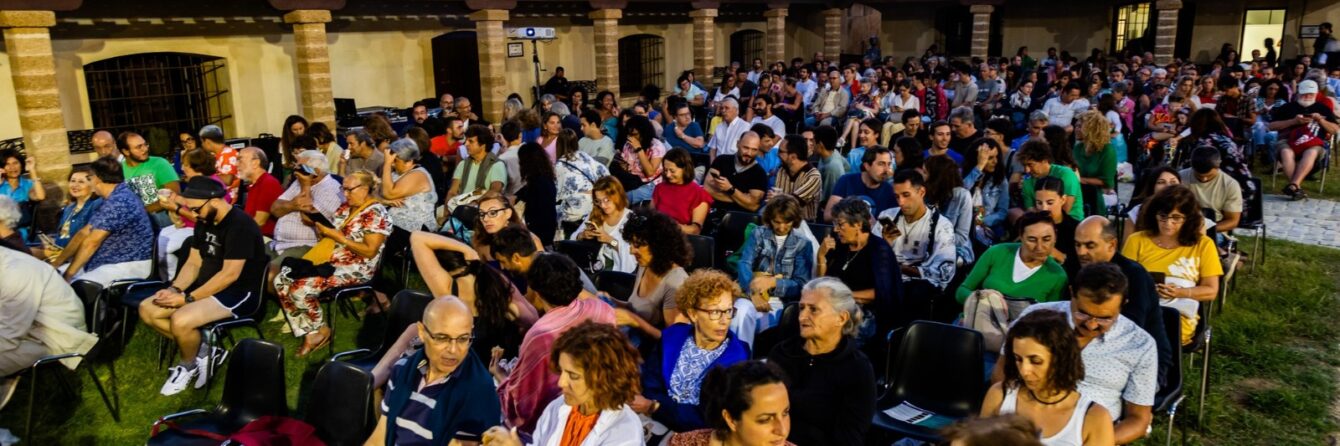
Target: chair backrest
[(88, 292), (340, 405), (1254, 212), (704, 249), (1172, 325), (254, 386), (820, 231), (466, 214), (406, 308), (730, 232), (939, 367), (619, 285), (586, 253)]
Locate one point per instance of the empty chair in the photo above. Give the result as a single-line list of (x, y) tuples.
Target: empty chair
[(618, 285), (253, 388), (1170, 396), (586, 253), (730, 232), (340, 405), (704, 249), (937, 368), (406, 308)]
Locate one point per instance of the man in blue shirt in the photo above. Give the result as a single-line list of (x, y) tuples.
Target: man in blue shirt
[(683, 132), (117, 242), (941, 135), (870, 184)]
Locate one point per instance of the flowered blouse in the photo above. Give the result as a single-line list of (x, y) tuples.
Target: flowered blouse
[(373, 220), (577, 175), (686, 380)]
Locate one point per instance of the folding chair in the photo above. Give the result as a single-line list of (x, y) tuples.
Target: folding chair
[(730, 232), (1254, 220), (704, 249), (1200, 344), (340, 405), (1170, 396), (1323, 164), (253, 388), (938, 368), (340, 297), (88, 293), (406, 308), (619, 285)]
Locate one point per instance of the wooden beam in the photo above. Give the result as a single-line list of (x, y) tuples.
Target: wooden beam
[(40, 5), (293, 5), (490, 4)]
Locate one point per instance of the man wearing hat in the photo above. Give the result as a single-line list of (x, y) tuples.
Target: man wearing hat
[(221, 279), (1304, 126)]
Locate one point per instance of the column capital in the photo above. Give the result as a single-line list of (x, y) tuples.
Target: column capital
[(703, 13), (1168, 4), (489, 15), (981, 9), (775, 12), (307, 16), (40, 5), (490, 4), (27, 19), (606, 14)]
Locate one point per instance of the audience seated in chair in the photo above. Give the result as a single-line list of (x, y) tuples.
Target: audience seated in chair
[(661, 252), (117, 243), (746, 403), (43, 316)]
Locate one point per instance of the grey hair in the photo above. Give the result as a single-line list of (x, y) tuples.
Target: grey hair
[(9, 212), (560, 109), (511, 107), (731, 102), (548, 98), (840, 297), (260, 156), (405, 149), (852, 210), (963, 113), (1039, 115), (314, 159)]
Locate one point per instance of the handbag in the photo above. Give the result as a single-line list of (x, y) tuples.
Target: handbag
[(268, 430), (325, 248)]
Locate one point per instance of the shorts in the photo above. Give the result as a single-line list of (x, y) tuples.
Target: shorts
[(240, 301)]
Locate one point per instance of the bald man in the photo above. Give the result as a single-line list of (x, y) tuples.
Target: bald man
[(442, 391), (1096, 242), (105, 144), (736, 181)]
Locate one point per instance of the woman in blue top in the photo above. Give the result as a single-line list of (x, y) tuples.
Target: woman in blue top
[(672, 378), (775, 259), (83, 204), (20, 180)]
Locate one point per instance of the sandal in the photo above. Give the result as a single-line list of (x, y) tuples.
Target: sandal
[(307, 348), (1291, 190)]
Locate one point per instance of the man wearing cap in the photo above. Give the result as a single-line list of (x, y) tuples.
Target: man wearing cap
[(117, 242), (1303, 126), (220, 280), (1214, 190), (211, 138)]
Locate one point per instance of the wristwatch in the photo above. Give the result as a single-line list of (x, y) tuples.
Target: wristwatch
[(189, 298)]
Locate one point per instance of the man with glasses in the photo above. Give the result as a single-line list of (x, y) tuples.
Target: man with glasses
[(1120, 359), (797, 177), (442, 390), (117, 242), (218, 281), (682, 132), (144, 173)]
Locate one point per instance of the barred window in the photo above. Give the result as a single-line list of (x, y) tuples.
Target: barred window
[(745, 46), (158, 94), (1130, 23), (641, 62)]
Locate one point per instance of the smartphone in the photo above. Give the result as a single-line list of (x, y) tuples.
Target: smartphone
[(887, 222), (1158, 277), (466, 436), (46, 240), (305, 170)]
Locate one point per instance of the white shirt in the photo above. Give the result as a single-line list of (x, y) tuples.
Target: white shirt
[(327, 197), (774, 122), (1021, 270), (726, 136), (914, 247), (806, 88), (1121, 365), (614, 427), (896, 100), (1063, 114)]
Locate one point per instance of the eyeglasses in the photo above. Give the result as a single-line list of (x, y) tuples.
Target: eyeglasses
[(196, 210), (603, 201), (491, 213), (351, 189), (1170, 218), (450, 342), (1082, 317), (716, 315)]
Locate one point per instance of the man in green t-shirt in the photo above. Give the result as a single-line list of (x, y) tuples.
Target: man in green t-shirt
[(1036, 157), (481, 171), (145, 174)]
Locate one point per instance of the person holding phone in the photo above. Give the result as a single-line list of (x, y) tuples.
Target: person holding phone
[(83, 204), (1172, 243)]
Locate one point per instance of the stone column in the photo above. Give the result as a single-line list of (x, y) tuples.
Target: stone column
[(492, 40), (833, 34), (704, 44), (33, 69), (1165, 34), (607, 49), (775, 48), (981, 29), (313, 58)]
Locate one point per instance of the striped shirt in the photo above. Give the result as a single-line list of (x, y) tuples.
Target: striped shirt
[(327, 197), (410, 425)]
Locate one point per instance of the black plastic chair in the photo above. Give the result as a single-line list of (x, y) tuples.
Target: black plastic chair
[(787, 326), (1170, 396), (340, 298), (253, 388), (938, 368), (406, 308), (1253, 219), (619, 285), (88, 293), (820, 231), (586, 253), (340, 405), (704, 251), (730, 232), (1200, 344)]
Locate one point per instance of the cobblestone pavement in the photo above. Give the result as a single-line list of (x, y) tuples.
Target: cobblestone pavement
[(1312, 221)]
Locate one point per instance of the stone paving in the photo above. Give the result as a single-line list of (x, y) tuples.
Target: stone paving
[(1312, 221)]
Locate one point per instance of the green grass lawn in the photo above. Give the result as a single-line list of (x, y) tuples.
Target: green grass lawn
[(1272, 376)]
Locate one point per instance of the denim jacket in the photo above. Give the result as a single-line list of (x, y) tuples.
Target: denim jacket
[(794, 261)]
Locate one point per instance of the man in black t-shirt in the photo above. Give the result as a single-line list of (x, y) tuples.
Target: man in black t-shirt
[(1304, 127), (736, 182), (220, 280)]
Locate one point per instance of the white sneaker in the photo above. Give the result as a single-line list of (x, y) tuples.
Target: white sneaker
[(7, 387), (178, 379), (202, 372)]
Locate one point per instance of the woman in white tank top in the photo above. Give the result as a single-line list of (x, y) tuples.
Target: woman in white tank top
[(1043, 367)]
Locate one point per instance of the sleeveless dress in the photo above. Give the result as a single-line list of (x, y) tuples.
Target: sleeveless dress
[(1073, 432), (417, 211)]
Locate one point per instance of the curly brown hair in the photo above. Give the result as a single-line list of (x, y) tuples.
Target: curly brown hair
[(703, 285), (662, 237), (1052, 330), (1174, 198), (609, 360)]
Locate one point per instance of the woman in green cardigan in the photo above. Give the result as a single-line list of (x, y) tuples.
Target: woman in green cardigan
[(1023, 269)]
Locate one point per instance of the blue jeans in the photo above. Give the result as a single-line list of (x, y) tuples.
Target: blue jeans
[(641, 194)]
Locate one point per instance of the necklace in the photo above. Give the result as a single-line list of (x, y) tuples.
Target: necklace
[(850, 258), (1048, 403)]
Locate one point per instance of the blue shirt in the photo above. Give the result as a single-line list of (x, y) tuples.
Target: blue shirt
[(673, 139), (770, 162), (854, 157), (130, 237), (879, 198), (71, 222), (19, 194), (958, 159)]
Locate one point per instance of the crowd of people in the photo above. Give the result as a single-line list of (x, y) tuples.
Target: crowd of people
[(877, 194)]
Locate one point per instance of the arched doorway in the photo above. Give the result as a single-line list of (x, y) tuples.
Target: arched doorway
[(745, 46), (158, 95), (456, 66)]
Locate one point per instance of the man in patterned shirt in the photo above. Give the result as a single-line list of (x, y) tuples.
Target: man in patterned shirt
[(211, 138), (117, 242)]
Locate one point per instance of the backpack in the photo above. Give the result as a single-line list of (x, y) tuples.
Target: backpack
[(990, 313), (264, 431)]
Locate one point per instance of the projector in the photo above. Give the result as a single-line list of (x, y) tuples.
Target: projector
[(532, 33)]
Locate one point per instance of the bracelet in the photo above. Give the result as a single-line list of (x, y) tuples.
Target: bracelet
[(731, 191)]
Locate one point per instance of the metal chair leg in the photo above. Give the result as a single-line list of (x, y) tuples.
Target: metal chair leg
[(32, 395), (1172, 423), (1204, 382), (116, 416)]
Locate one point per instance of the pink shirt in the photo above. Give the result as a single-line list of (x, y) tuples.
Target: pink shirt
[(531, 385)]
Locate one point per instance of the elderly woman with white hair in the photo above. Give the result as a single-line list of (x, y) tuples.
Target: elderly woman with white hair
[(832, 387), (9, 221)]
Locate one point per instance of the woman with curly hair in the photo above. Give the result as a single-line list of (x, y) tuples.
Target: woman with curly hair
[(1096, 158), (678, 196), (673, 376), (746, 404), (660, 250), (1043, 369), (1171, 243), (597, 373)]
